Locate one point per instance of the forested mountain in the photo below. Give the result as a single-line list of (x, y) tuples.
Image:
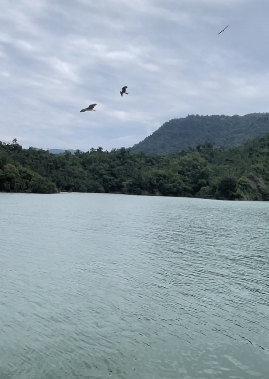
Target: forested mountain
[(223, 131), (60, 151), (204, 171)]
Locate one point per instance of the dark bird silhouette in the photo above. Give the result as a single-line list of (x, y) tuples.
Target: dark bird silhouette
[(223, 29), (124, 90), (90, 108)]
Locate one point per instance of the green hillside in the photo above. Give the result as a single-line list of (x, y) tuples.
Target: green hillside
[(223, 131), (17, 177), (238, 173)]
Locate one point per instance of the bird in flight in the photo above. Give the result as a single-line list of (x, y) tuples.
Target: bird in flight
[(90, 108), (124, 90), (223, 29)]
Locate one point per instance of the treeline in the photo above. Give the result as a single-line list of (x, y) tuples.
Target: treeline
[(204, 171)]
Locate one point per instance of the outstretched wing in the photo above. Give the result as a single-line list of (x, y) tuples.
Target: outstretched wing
[(91, 106), (223, 29)]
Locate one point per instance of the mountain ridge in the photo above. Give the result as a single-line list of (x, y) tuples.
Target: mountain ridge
[(61, 151), (223, 131)]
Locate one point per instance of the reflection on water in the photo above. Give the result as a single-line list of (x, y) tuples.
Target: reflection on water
[(114, 286)]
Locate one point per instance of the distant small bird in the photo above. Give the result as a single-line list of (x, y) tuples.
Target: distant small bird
[(223, 29), (90, 108), (123, 90)]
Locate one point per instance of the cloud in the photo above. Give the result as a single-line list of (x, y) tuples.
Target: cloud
[(58, 58)]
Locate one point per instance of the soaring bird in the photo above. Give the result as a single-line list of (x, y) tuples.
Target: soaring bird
[(223, 29), (123, 90), (90, 108)]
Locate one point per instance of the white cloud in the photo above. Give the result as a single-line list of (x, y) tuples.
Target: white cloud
[(58, 58)]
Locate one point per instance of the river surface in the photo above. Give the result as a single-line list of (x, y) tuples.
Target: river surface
[(127, 287)]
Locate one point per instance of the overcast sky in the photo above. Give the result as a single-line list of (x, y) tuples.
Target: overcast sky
[(57, 57)]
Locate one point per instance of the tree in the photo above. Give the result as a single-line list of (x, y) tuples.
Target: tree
[(227, 188)]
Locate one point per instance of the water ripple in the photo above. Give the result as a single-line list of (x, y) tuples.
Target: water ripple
[(113, 286)]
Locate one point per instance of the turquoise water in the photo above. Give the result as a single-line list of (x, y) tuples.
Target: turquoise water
[(114, 286)]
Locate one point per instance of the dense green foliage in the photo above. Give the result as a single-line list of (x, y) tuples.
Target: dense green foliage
[(16, 178), (204, 171), (223, 131)]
